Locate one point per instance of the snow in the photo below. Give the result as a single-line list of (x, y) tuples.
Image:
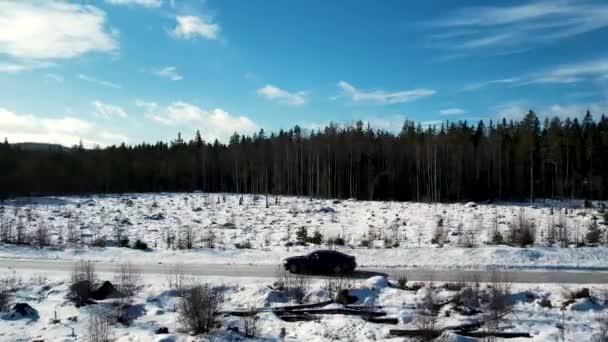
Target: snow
[(407, 228), (155, 307), (398, 235)]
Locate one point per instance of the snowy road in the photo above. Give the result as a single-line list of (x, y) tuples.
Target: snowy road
[(244, 270)]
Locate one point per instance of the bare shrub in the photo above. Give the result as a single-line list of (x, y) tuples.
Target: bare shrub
[(186, 238), (208, 239), (522, 231), (601, 322), (196, 310), (99, 329), (468, 239), (468, 299), (250, 323), (83, 281), (295, 286), (402, 282), (127, 281), (178, 280), (496, 300), (333, 286), (440, 234), (5, 298), (427, 310)]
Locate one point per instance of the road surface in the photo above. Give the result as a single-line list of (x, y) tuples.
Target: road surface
[(262, 271)]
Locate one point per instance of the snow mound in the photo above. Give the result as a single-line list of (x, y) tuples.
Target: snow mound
[(21, 311), (377, 283), (587, 304)]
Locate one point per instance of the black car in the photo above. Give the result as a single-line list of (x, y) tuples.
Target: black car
[(319, 262)]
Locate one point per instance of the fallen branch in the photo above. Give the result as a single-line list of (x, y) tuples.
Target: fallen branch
[(381, 320), (499, 334), (340, 311), (427, 334)]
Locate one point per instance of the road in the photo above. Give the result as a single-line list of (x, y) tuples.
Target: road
[(269, 271)]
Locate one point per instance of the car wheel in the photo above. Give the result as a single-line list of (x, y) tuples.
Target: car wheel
[(338, 269), (293, 269)]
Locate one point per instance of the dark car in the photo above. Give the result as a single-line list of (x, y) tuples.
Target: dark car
[(319, 262)]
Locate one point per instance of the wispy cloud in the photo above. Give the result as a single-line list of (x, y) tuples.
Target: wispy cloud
[(17, 66), (483, 84), (55, 77), (520, 25), (563, 74), (213, 124), (99, 82), (53, 30), (169, 72), (143, 3), (279, 95), (108, 111), (189, 27), (452, 111), (383, 97)]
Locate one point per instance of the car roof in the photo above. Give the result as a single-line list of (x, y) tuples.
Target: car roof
[(328, 251)]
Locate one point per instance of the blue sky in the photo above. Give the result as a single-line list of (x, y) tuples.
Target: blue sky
[(109, 71)]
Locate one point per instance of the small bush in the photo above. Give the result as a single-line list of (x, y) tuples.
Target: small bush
[(243, 245), (196, 310), (83, 282), (124, 242), (99, 242), (523, 232), (575, 294), (365, 243), (338, 241), (497, 238), (317, 238), (5, 299), (402, 282), (301, 234), (250, 323), (594, 234), (140, 245)]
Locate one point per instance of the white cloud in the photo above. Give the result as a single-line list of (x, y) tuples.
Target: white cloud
[(52, 30), (67, 130), (383, 97), (108, 111), (14, 67), (213, 124), (143, 3), (148, 107), (529, 24), (279, 95), (169, 72), (189, 26), (517, 110), (11, 68), (99, 82), (452, 111)]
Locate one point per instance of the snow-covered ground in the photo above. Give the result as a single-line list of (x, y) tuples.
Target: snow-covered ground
[(377, 233), (154, 307)]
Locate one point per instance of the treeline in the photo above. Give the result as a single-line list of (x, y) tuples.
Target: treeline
[(457, 161)]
